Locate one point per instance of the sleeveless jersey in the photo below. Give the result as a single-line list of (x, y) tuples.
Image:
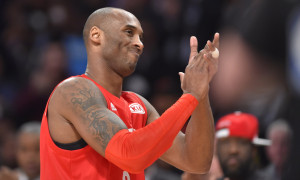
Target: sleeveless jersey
[(86, 163)]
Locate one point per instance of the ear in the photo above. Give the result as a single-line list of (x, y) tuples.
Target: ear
[(95, 35)]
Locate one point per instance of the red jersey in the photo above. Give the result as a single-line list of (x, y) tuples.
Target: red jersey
[(86, 163)]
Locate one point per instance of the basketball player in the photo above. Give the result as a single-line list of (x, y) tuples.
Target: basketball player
[(91, 129)]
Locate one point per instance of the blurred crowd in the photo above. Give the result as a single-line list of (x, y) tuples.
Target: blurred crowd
[(259, 70)]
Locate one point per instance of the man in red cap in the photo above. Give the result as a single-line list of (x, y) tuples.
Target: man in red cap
[(236, 141), (236, 135)]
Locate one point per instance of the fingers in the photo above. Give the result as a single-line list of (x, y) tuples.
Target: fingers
[(215, 43), (6, 173), (210, 49), (200, 62), (213, 46), (212, 65), (216, 40), (194, 47), (209, 46)]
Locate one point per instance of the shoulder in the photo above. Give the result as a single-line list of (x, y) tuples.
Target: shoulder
[(77, 85), (76, 90), (76, 82)]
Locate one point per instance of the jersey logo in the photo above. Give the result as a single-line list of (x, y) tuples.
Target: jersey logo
[(113, 107), (136, 108)]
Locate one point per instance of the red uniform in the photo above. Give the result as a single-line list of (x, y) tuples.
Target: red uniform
[(86, 163)]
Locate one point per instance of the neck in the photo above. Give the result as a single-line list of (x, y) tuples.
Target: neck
[(105, 76)]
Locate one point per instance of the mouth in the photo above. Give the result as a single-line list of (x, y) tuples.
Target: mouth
[(135, 51), (135, 54), (232, 162)]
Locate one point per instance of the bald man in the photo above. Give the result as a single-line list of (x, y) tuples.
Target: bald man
[(91, 129)]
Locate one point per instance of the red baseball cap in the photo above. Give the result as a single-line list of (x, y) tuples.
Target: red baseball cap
[(241, 125)]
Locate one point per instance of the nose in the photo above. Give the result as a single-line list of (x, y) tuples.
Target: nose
[(138, 43), (233, 148)]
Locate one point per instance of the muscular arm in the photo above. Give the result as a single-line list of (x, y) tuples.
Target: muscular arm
[(193, 151), (79, 103), (200, 137)]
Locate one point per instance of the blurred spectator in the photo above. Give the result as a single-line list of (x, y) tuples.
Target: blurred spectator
[(253, 68), (28, 156), (237, 139), (236, 150), (280, 133), (252, 73), (7, 143), (293, 162), (293, 31), (28, 151), (50, 70)]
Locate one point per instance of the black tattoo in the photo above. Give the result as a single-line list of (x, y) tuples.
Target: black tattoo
[(85, 104), (102, 127), (76, 100), (99, 127), (100, 121)]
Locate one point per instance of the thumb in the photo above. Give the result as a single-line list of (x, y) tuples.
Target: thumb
[(181, 75), (194, 47)]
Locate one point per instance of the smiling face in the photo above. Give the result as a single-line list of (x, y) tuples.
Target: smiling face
[(113, 39), (235, 156), (122, 44)]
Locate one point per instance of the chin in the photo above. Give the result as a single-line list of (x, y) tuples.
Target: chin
[(132, 66), (129, 67), (128, 72)]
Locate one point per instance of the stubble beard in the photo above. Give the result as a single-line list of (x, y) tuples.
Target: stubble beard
[(240, 172), (129, 66)]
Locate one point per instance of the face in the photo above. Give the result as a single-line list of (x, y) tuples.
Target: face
[(122, 44), (279, 149), (235, 156), (28, 154), (236, 72)]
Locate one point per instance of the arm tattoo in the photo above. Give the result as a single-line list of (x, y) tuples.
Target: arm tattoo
[(89, 102), (101, 127), (100, 122)]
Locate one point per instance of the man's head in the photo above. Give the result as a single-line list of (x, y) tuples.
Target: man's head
[(28, 149), (113, 36), (281, 135), (236, 134)]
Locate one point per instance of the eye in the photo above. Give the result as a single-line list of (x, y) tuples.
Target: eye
[(129, 32)]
